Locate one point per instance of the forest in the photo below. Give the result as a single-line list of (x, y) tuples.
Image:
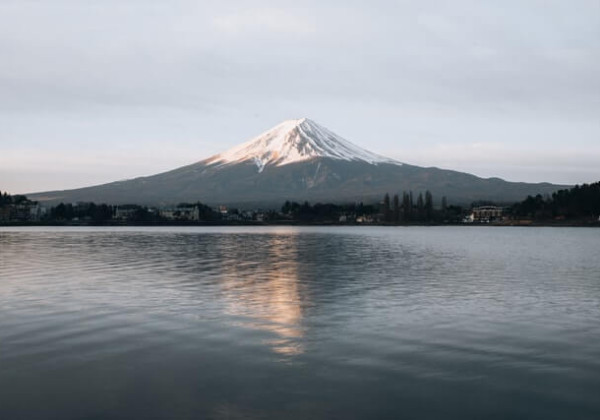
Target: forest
[(579, 202)]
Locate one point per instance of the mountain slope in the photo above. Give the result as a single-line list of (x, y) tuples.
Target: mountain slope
[(296, 160)]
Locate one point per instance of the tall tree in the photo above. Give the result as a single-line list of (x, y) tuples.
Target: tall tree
[(386, 207), (406, 206), (428, 205), (396, 208), (444, 208)]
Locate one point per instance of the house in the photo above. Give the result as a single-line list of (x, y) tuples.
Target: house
[(486, 214), (181, 212), (126, 211), (364, 219), (23, 212)]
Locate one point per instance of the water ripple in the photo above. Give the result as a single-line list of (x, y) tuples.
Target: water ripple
[(299, 323)]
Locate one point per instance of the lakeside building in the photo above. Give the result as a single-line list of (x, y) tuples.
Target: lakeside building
[(24, 212), (485, 214), (191, 213), (126, 211), (365, 219)]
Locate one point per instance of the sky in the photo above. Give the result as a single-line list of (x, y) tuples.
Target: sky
[(99, 91)]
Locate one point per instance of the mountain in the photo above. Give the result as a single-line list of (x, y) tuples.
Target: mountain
[(297, 160), (295, 141)]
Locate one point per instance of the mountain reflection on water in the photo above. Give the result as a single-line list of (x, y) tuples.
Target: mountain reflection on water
[(299, 322)]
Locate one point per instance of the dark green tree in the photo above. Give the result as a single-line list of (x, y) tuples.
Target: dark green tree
[(420, 207), (396, 209), (386, 208), (406, 206), (428, 206)]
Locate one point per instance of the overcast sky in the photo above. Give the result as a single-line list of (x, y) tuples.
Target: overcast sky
[(97, 91)]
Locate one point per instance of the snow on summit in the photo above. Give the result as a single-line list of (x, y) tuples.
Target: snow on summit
[(295, 141)]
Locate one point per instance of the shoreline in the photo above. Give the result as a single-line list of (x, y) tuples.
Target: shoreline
[(511, 223)]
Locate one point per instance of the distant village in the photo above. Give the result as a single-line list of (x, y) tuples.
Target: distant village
[(580, 204), (22, 210)]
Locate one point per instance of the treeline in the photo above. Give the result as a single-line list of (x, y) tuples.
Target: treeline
[(19, 209), (84, 211), (392, 210), (305, 212), (579, 202), (420, 210), (102, 213)]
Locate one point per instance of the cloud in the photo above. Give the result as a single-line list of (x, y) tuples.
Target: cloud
[(269, 20), (396, 74)]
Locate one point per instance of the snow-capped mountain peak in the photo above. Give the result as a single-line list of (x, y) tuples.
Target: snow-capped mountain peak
[(295, 141)]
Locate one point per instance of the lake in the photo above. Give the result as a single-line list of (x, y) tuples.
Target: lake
[(299, 323)]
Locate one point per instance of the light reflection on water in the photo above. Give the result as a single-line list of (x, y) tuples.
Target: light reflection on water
[(299, 323), (267, 299)]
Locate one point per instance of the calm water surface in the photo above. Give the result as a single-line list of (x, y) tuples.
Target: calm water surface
[(298, 323)]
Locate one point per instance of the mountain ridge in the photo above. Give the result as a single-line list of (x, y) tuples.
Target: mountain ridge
[(296, 160)]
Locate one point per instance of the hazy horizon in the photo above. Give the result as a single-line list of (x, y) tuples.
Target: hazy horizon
[(95, 93)]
